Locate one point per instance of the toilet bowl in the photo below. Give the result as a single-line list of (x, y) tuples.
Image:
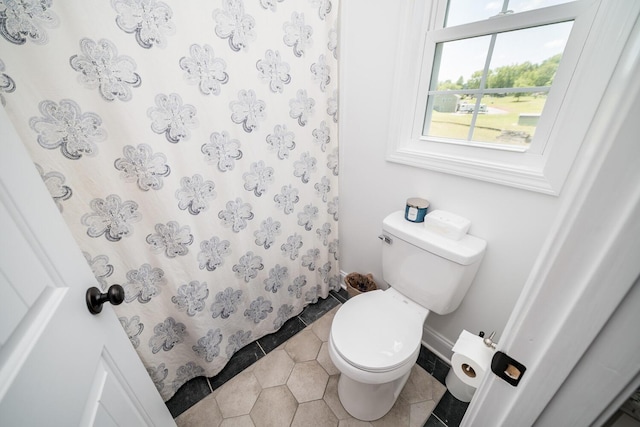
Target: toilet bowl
[(374, 342)]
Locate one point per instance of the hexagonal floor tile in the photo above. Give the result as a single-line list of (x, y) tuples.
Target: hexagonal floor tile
[(315, 413), (397, 416), (421, 387), (238, 395), (275, 407), (304, 346), (322, 326), (352, 422), (333, 400), (308, 381), (419, 412), (205, 412), (325, 360), (241, 421), (273, 369)]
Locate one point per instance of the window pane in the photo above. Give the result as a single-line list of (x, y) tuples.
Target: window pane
[(525, 5), (501, 118), (451, 123), (529, 57), (456, 62), (465, 11), (509, 118), (523, 62)]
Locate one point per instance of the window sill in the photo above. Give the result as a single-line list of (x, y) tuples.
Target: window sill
[(521, 170)]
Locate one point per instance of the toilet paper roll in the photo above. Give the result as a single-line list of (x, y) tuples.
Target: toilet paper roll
[(457, 388), (471, 358)]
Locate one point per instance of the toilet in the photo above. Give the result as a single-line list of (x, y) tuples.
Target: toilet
[(375, 337)]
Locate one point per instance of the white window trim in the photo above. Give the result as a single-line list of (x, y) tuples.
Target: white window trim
[(594, 47), (500, 24)]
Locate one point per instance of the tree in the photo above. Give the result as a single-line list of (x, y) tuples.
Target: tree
[(525, 74), (448, 85), (547, 71), (474, 81)]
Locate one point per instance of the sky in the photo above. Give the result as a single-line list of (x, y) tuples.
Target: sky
[(463, 57)]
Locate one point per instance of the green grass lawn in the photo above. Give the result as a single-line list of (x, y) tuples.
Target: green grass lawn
[(488, 125)]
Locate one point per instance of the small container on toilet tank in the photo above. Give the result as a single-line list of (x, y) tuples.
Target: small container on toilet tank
[(416, 209)]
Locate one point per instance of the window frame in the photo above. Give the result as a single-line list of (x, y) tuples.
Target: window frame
[(496, 25), (545, 165)]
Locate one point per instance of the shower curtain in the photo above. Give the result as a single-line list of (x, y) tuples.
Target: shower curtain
[(191, 147)]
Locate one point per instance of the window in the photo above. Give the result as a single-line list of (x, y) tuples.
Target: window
[(490, 80), (493, 87), (493, 93)]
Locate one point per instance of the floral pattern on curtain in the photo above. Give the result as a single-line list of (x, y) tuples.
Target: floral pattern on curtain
[(191, 147)]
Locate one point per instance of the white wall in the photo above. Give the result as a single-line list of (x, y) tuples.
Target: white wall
[(514, 222)]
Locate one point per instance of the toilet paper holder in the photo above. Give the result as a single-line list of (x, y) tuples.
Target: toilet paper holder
[(489, 341), (507, 368), (503, 365)]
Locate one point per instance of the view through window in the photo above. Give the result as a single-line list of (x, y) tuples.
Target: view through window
[(491, 87)]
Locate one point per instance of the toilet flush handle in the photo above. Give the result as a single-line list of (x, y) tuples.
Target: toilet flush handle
[(385, 239)]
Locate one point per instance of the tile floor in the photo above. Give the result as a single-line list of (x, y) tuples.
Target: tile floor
[(297, 385), (289, 374)]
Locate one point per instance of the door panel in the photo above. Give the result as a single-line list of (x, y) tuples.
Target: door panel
[(108, 394), (15, 273), (59, 365), (12, 309)]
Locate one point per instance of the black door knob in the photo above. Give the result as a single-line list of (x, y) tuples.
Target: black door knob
[(95, 299)]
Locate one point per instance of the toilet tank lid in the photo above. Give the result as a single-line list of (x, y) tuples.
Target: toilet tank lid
[(465, 251)]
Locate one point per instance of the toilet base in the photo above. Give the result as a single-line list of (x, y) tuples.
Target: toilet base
[(368, 402)]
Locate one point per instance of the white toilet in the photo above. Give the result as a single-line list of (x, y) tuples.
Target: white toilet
[(375, 337)]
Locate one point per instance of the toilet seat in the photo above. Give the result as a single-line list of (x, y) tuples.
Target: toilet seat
[(378, 331)]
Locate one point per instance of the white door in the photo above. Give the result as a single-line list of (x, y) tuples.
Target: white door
[(575, 326), (59, 365)]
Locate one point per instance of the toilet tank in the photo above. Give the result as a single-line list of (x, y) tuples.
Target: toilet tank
[(430, 269)]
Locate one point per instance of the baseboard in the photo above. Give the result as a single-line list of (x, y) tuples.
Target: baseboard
[(437, 344)]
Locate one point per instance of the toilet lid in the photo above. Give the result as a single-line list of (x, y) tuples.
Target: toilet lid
[(376, 332)]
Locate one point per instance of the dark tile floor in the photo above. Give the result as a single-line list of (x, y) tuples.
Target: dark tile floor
[(448, 412)]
